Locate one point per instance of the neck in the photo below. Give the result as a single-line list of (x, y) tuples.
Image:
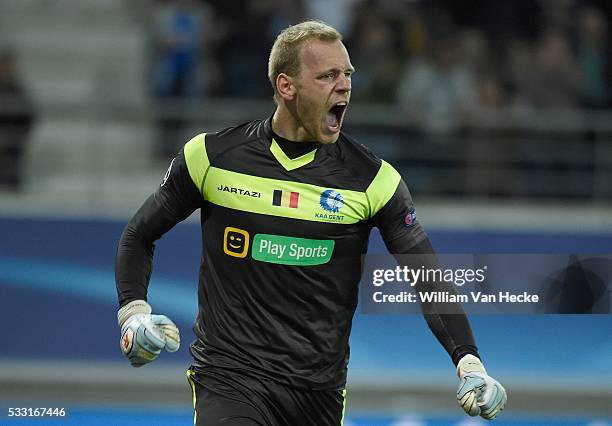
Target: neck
[(287, 126)]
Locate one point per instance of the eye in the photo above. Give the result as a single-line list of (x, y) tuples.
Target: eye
[(329, 76)]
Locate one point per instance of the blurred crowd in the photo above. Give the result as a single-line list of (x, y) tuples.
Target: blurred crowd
[(434, 58), (439, 62), (16, 120)]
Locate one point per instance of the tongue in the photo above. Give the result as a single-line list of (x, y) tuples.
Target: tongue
[(332, 120)]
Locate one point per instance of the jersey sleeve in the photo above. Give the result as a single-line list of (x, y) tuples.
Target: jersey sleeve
[(395, 217), (393, 211), (176, 198)]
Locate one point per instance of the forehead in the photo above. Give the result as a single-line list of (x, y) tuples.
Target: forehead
[(318, 56)]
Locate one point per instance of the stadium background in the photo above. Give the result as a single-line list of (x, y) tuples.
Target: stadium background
[(497, 114)]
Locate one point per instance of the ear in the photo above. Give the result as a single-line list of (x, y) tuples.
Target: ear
[(285, 86)]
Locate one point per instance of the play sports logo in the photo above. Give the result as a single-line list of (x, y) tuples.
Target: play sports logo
[(280, 249), (290, 250)]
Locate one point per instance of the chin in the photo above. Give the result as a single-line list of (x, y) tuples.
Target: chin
[(328, 138)]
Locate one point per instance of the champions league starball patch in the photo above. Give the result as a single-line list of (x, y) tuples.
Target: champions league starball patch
[(411, 217), (331, 201)]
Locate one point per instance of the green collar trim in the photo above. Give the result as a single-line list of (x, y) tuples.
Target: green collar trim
[(288, 163)]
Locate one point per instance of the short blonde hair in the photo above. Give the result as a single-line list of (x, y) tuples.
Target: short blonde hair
[(285, 53)]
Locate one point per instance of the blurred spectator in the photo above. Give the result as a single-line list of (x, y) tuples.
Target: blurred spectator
[(337, 13), (415, 34), (557, 14), (491, 93), (178, 36), (16, 117), (554, 79), (286, 13), (519, 58), (594, 57), (501, 20), (375, 61), (475, 47), (243, 51), (479, 59), (179, 58), (435, 92)]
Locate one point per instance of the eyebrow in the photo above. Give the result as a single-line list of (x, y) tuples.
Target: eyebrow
[(351, 69)]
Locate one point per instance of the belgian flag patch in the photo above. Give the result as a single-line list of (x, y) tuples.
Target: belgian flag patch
[(286, 198)]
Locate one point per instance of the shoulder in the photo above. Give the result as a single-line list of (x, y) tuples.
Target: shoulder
[(366, 166), (203, 149), (378, 178), (233, 137), (208, 146)]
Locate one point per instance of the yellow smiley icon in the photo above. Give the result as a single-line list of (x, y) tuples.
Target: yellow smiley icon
[(235, 242)]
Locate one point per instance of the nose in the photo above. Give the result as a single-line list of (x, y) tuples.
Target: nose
[(344, 83)]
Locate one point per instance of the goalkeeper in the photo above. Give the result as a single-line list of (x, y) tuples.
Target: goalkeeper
[(287, 204)]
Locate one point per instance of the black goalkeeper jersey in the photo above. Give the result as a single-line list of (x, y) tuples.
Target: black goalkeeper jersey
[(283, 239)]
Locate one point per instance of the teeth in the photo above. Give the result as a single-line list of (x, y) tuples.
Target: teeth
[(341, 104)]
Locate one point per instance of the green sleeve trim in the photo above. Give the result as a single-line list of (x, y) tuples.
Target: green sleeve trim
[(197, 160), (382, 187), (343, 406), (288, 163)]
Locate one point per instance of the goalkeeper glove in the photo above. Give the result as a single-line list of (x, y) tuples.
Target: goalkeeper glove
[(143, 335), (478, 393)]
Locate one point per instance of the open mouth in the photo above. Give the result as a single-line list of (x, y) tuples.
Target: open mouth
[(335, 115)]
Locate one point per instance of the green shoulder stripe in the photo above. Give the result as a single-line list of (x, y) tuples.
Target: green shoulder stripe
[(197, 159), (288, 163), (382, 187)]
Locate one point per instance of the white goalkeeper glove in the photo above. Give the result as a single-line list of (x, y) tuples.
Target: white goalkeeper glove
[(143, 335), (479, 393)]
